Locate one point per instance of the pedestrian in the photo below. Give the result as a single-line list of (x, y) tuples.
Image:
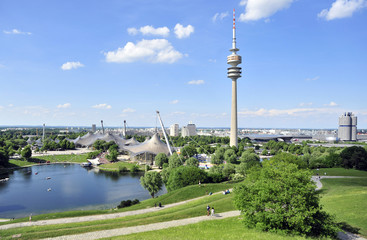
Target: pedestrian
[(212, 211), (199, 183), (208, 210), (30, 217)]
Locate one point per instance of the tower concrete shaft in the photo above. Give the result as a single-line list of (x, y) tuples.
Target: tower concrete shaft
[(234, 73)]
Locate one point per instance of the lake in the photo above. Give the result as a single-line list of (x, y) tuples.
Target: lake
[(70, 187)]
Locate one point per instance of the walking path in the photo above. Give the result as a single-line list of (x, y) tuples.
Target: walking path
[(145, 228), (96, 217)]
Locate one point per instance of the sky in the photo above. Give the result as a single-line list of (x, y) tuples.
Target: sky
[(75, 63)]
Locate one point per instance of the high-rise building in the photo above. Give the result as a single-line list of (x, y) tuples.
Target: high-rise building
[(234, 73), (94, 128), (174, 130), (347, 127), (189, 130)]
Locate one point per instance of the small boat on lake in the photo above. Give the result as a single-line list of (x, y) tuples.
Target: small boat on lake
[(48, 189), (48, 178)]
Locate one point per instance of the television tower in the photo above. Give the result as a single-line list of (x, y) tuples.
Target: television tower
[(234, 73)]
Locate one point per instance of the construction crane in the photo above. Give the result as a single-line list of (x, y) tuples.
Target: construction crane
[(164, 133), (102, 127)]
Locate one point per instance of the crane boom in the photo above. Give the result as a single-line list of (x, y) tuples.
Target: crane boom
[(164, 133)]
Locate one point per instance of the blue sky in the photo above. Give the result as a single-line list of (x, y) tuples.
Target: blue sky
[(72, 63)]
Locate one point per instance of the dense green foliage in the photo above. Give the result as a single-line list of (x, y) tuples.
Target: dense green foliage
[(128, 203), (183, 176), (160, 159), (192, 162), (50, 145), (152, 181), (92, 155), (354, 157), (281, 198), (26, 153)]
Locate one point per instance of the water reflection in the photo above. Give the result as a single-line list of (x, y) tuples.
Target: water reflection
[(71, 187)]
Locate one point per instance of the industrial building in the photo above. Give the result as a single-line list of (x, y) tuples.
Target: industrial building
[(347, 127)]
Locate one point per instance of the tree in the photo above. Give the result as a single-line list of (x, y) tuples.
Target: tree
[(264, 152), (230, 156), (26, 153), (218, 157), (188, 151), (160, 159), (354, 157), (152, 181), (282, 198), (250, 159), (192, 162), (288, 158), (184, 176), (174, 161), (228, 170), (4, 158), (112, 156)]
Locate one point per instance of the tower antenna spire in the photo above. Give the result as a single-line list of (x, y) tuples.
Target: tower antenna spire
[(234, 30)]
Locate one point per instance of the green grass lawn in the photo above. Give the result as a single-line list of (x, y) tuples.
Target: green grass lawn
[(222, 203), (62, 158), (20, 163), (178, 195), (115, 167), (346, 198), (229, 229), (340, 172)]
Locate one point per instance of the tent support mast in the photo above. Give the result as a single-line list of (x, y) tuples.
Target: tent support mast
[(164, 133)]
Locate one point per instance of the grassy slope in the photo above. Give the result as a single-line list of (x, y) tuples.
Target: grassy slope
[(346, 198), (20, 163), (114, 167), (340, 172), (229, 229), (63, 158), (222, 203), (183, 194)]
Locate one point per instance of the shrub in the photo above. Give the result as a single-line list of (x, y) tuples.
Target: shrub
[(128, 203), (134, 168)]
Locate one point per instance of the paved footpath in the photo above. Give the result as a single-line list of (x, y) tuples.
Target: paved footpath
[(97, 217), (145, 228)]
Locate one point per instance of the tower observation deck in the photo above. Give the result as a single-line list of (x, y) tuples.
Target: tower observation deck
[(234, 73)]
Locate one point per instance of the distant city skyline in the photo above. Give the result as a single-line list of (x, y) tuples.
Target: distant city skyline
[(67, 63)]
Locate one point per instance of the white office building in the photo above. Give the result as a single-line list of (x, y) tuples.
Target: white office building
[(174, 130)]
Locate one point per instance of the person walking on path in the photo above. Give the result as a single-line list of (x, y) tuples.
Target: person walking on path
[(212, 211), (30, 217), (208, 210)]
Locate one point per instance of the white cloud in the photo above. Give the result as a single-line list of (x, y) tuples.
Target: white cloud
[(132, 31), (183, 32), (305, 104), (313, 79), (11, 105), (331, 104), (16, 31), (174, 102), (219, 16), (71, 65), (1, 107), (2, 66), (258, 9), (150, 30), (213, 60), (128, 110), (65, 105), (196, 82), (342, 9), (288, 112), (102, 106), (154, 51)]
